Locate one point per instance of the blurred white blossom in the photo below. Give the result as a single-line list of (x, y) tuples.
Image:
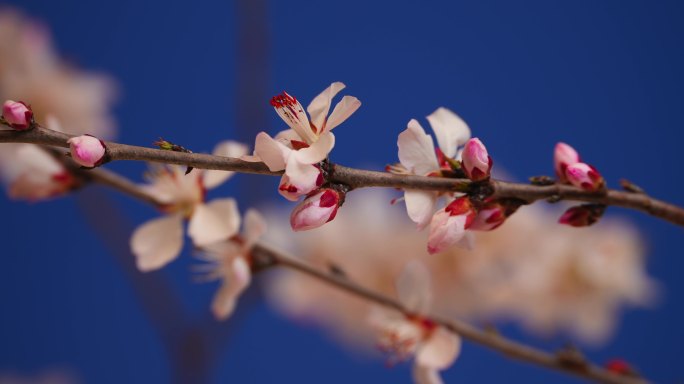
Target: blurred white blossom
[(31, 71), (547, 276)]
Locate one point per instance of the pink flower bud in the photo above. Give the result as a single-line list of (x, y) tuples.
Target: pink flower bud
[(584, 176), (564, 156), (17, 114), (476, 161), (87, 151), (316, 210), (582, 215), (449, 224), (491, 216)]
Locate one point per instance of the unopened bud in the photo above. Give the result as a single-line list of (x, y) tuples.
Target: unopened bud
[(563, 157), (448, 225), (489, 217), (87, 151), (582, 215), (476, 161), (316, 210), (584, 176), (17, 114)]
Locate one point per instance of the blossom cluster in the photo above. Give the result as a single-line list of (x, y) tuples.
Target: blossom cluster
[(301, 151), (548, 278)]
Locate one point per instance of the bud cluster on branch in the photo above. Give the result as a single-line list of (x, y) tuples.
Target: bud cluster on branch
[(447, 188)]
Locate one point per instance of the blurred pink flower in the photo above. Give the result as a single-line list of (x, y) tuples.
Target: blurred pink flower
[(548, 277), (33, 174), (403, 337)]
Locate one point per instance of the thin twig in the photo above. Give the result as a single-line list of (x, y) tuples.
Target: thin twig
[(265, 257), (356, 178)]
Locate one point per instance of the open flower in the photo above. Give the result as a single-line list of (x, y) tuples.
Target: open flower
[(307, 142), (230, 262), (159, 241), (418, 156), (433, 347)]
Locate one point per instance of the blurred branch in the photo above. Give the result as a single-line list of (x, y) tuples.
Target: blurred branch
[(265, 257), (573, 363), (356, 178)]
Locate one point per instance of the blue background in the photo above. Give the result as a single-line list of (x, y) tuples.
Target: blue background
[(605, 76)]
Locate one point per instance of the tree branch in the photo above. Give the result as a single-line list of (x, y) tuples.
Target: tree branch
[(356, 178), (264, 257)]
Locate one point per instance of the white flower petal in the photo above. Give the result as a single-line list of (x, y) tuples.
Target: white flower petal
[(345, 108), (414, 287), (239, 278), (213, 178), (445, 231), (157, 242), (440, 350), (425, 375), (451, 131), (289, 191), (302, 176), (318, 151), (273, 153), (292, 112), (214, 221), (255, 227), (416, 150), (420, 206), (287, 136), (320, 105)]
